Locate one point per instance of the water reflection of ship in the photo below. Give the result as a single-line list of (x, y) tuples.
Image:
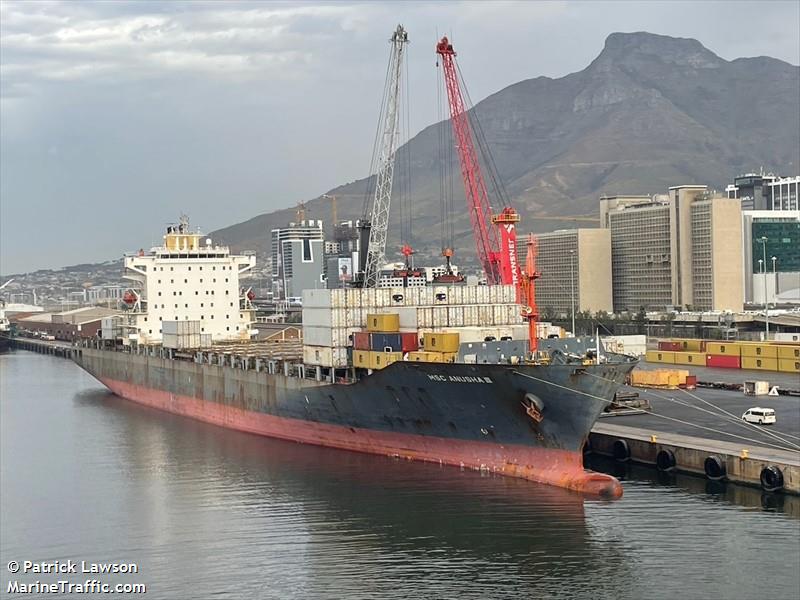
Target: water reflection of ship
[(483, 514)]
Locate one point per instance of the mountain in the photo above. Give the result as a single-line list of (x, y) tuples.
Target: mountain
[(649, 112)]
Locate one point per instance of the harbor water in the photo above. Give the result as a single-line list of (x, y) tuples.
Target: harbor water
[(206, 512)]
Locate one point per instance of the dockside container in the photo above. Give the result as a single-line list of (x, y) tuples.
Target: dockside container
[(669, 346), (655, 356), (762, 364), (692, 345), (723, 348), (383, 322), (789, 365), (409, 341), (788, 352), (759, 351), (329, 336), (723, 361), (440, 342), (690, 358)]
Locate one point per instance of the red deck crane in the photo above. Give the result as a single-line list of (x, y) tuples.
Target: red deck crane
[(495, 234)]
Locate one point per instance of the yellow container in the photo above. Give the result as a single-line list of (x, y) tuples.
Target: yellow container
[(690, 345), (762, 364), (788, 352), (657, 356), (448, 357), (690, 358), (361, 359), (726, 348), (662, 378), (440, 342), (379, 360), (789, 365), (759, 351), (383, 323), (433, 357)]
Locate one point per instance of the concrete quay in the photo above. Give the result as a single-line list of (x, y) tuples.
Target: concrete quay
[(714, 459)]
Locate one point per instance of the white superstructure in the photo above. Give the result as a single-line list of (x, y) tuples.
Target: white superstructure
[(189, 279)]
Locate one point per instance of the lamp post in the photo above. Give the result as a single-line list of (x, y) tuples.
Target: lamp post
[(572, 288), (775, 289), (763, 241)]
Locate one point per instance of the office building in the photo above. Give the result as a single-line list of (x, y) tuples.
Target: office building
[(765, 191), (575, 265), (298, 259), (683, 250)]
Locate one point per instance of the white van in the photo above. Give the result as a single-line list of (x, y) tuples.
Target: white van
[(762, 416)]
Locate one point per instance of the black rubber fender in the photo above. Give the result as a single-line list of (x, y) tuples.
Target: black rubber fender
[(665, 460), (771, 479), (714, 467), (620, 450)]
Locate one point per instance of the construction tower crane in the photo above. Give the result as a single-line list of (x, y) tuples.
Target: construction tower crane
[(495, 235), (378, 220)]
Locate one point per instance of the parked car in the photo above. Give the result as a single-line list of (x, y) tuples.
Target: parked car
[(762, 416)]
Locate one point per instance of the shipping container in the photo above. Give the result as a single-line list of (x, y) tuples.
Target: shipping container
[(383, 297), (425, 356), (668, 346), (659, 378), (353, 297), (455, 316), (325, 356), (180, 327), (788, 352), (763, 364), (361, 359), (383, 322), (361, 341), (690, 358), (655, 356), (379, 342), (723, 348), (408, 317), (789, 365), (786, 337), (424, 317), (759, 351), (723, 361), (469, 294), (329, 336), (379, 360), (440, 342), (693, 345), (409, 342)]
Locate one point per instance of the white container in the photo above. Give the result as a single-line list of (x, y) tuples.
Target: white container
[(485, 315), (328, 336), (455, 316), (469, 294), (353, 296), (324, 298), (424, 316), (482, 294), (325, 356), (439, 316), (440, 295), (408, 317)]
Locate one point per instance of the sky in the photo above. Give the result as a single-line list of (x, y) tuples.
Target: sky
[(115, 117)]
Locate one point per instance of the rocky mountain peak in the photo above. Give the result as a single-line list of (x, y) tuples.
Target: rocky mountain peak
[(640, 48)]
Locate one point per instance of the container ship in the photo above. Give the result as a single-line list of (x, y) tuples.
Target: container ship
[(430, 373)]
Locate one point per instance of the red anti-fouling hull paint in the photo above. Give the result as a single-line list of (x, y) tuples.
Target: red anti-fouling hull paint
[(545, 465)]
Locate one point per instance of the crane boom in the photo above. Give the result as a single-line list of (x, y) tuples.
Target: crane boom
[(480, 212), (379, 218)]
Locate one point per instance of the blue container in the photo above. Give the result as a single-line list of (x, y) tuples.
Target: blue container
[(381, 341)]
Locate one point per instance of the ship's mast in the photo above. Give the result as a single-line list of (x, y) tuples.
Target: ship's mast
[(379, 218)]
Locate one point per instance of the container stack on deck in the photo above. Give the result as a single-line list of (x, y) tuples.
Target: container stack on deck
[(333, 320), (764, 356)]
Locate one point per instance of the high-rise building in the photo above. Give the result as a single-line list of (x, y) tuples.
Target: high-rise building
[(298, 259), (765, 191), (575, 266), (683, 249)]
